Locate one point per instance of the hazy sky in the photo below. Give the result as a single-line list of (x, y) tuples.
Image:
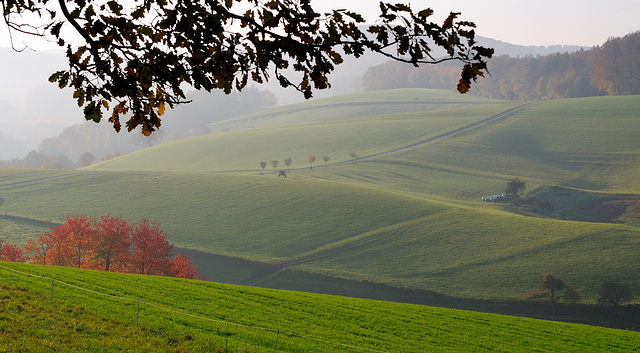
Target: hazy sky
[(541, 22)]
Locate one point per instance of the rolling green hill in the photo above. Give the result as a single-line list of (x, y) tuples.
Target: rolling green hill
[(242, 151), (361, 233), (353, 105), (90, 310), (261, 217), (412, 218)]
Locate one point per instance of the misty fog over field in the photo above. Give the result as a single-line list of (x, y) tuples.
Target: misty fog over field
[(33, 109)]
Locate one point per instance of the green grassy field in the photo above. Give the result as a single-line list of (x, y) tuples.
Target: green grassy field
[(12, 176), (363, 104), (287, 217), (360, 233), (210, 316), (242, 151), (412, 218), (14, 229)]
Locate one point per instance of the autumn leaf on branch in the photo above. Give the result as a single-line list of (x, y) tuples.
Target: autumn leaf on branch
[(137, 58)]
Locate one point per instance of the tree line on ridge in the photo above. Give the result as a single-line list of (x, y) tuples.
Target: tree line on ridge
[(610, 69)]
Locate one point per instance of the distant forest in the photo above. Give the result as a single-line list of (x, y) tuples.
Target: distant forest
[(610, 69)]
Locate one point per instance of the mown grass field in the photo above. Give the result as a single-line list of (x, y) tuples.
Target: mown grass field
[(14, 229), (360, 234), (363, 104), (587, 143), (219, 317), (412, 218), (12, 176), (242, 151), (263, 217)]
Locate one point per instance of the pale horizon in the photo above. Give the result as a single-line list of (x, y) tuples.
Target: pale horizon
[(547, 23), (543, 23)]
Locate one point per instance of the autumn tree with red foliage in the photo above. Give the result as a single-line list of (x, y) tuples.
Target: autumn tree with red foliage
[(152, 251), (10, 252), (182, 267), (110, 244), (77, 233), (40, 248)]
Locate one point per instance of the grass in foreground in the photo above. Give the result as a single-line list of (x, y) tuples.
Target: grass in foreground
[(334, 323), (29, 322)]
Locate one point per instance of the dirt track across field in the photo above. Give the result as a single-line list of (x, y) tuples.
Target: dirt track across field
[(38, 180)]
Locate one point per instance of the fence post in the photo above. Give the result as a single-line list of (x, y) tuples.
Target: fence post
[(277, 334), (138, 313), (226, 343)]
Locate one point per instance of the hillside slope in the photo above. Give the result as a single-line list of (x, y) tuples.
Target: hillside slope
[(363, 123), (210, 315)]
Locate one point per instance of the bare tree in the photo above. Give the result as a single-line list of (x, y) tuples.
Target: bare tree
[(274, 164), (353, 156), (263, 165), (287, 161)]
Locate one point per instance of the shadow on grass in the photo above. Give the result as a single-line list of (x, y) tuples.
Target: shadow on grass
[(225, 269), (28, 221)]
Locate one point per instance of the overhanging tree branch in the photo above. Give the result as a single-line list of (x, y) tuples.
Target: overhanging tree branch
[(135, 61)]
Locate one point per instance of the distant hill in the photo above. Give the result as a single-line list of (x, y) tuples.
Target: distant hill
[(183, 122), (31, 108), (515, 50), (347, 78), (10, 147)]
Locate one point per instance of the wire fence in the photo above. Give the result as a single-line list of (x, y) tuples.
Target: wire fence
[(138, 301)]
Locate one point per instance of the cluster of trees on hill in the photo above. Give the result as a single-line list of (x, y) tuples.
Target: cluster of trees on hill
[(610, 69), (555, 289), (107, 244)]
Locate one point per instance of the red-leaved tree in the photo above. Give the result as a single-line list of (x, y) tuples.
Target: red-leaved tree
[(182, 267), (76, 235), (40, 248), (151, 251), (10, 252), (110, 244)]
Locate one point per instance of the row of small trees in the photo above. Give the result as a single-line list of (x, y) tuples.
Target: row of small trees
[(287, 161), (555, 289), (311, 158), (106, 243)]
